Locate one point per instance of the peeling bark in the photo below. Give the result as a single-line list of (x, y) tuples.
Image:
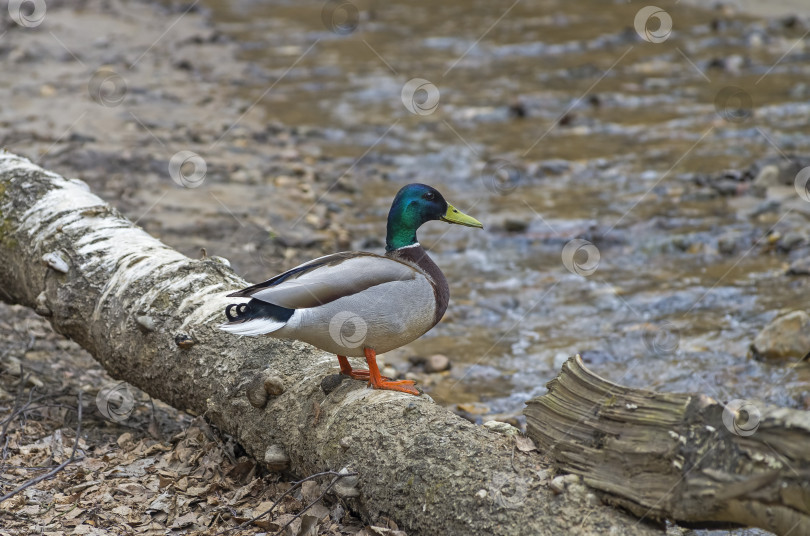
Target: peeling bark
[(149, 314), (675, 456)]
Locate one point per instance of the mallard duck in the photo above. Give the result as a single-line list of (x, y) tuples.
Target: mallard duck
[(359, 304)]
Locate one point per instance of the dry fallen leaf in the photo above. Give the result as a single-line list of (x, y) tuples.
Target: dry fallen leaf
[(185, 521), (524, 443)]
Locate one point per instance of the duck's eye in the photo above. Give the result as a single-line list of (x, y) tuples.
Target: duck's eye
[(429, 196)]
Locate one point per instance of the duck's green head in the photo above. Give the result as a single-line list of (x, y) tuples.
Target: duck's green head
[(414, 205)]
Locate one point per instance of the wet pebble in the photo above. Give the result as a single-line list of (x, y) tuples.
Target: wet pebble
[(554, 167), (767, 177), (786, 337), (431, 364), (791, 240), (515, 226), (726, 244), (800, 266), (727, 187), (437, 363)]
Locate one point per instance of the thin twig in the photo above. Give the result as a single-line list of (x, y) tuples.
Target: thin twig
[(59, 467), (5, 455), (14, 412), (295, 486)]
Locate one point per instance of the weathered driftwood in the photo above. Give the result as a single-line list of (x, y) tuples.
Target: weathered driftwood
[(149, 314), (673, 456)]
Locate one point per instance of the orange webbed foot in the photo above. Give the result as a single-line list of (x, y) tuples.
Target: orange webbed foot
[(353, 373), (362, 374), (373, 376), (379, 382), (403, 386)]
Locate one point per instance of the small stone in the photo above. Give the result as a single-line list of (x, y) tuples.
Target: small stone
[(576, 491), (786, 337), (792, 240), (145, 322), (347, 486), (184, 341), (727, 243), (331, 382), (557, 485), (515, 226), (481, 494), (275, 458), (345, 442), (501, 428), (42, 308), (437, 363), (800, 266), (273, 385), (726, 187), (256, 393)]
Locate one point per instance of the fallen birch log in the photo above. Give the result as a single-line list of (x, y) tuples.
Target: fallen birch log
[(149, 314), (682, 457)]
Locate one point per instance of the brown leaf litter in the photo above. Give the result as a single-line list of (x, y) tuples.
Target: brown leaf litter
[(157, 472)]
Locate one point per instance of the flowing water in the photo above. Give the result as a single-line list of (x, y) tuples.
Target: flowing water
[(556, 121)]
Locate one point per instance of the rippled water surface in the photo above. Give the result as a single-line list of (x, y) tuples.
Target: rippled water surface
[(556, 121)]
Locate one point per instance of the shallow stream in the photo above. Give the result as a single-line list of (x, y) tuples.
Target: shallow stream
[(556, 121)]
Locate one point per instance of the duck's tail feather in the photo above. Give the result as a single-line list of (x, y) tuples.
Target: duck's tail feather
[(255, 318)]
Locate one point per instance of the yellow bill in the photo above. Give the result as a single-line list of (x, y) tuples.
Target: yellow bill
[(454, 215)]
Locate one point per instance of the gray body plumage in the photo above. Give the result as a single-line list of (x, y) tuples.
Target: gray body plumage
[(349, 301)]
